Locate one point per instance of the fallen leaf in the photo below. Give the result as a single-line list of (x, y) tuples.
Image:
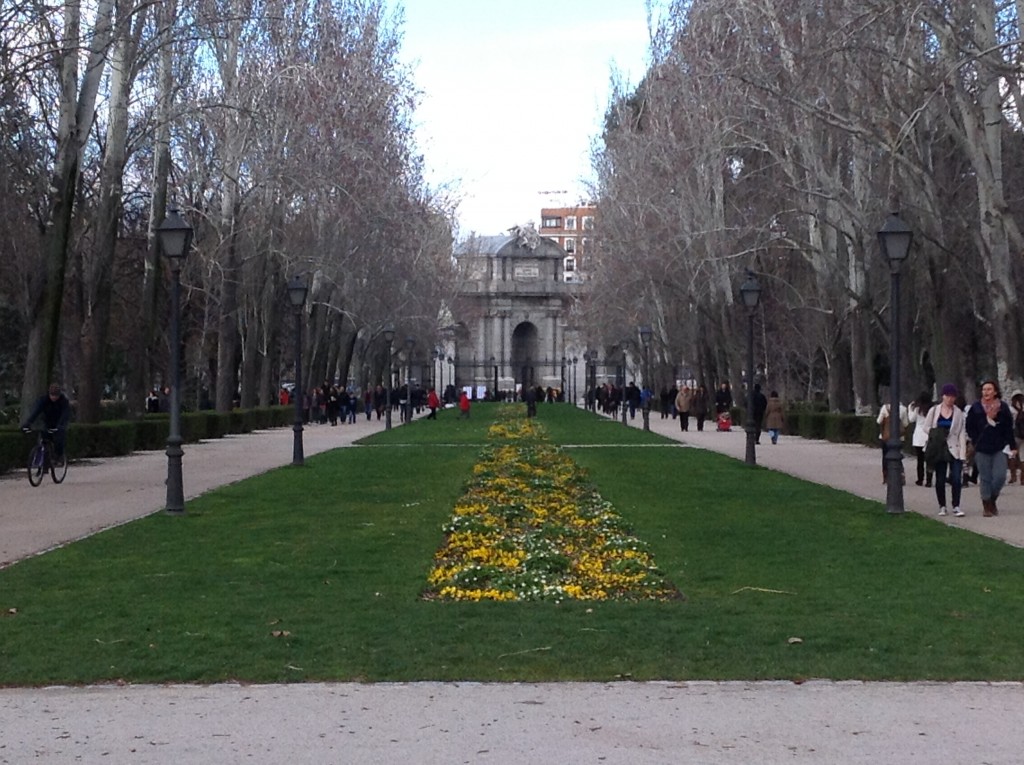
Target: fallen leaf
[(12, 611), (794, 640), (280, 633)]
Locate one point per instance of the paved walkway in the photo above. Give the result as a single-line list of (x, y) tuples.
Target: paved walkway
[(629, 723)]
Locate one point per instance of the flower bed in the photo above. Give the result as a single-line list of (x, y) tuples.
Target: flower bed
[(529, 527)]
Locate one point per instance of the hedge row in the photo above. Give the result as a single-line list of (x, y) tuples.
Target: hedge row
[(120, 437)]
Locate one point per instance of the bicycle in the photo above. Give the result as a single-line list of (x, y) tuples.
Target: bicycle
[(41, 460)]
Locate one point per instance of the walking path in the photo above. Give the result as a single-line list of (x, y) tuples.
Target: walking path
[(629, 723)]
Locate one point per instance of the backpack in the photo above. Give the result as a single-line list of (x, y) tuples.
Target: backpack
[(885, 428)]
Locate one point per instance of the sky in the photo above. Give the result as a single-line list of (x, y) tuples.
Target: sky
[(513, 94)]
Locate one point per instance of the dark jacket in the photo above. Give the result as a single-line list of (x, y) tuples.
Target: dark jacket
[(56, 414), (989, 439)]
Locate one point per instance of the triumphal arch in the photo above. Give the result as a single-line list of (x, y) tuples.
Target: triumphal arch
[(512, 322)]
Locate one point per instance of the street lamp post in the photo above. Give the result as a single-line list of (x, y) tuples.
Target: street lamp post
[(645, 339), (410, 343), (624, 373), (494, 393), (575, 382), (175, 237), (389, 336), (894, 238), (751, 293), (297, 297), (564, 374)]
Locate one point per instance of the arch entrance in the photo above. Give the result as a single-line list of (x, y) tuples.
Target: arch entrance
[(525, 352)]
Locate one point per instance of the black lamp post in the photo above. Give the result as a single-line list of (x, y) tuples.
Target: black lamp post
[(750, 290), (894, 238), (575, 382), (564, 374), (451, 378), (389, 336), (645, 339), (410, 343), (624, 373), (175, 237), (297, 297), (494, 393)]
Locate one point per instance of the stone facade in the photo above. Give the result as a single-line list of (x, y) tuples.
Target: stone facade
[(512, 312)]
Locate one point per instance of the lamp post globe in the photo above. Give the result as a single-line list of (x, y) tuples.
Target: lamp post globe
[(894, 239), (750, 291), (175, 237)]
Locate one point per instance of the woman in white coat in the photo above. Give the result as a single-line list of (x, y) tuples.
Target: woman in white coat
[(919, 409)]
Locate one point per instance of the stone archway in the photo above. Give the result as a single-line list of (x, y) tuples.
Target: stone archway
[(524, 352)]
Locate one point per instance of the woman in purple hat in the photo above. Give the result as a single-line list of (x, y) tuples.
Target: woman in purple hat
[(951, 418), (990, 428)]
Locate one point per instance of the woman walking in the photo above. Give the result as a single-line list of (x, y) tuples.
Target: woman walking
[(919, 410), (949, 418), (774, 416), (990, 428), (699, 406)]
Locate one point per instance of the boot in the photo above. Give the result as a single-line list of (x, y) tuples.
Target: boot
[(987, 510), (928, 480), (992, 504)]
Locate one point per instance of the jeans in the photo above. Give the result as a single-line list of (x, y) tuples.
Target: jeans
[(991, 473), (955, 472), (774, 434)]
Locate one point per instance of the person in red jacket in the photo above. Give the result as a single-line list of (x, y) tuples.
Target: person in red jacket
[(433, 402), (464, 405)]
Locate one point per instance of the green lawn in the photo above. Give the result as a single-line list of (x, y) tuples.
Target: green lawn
[(315, 573)]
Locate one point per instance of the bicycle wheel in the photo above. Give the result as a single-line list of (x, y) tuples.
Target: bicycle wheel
[(36, 465), (59, 468)]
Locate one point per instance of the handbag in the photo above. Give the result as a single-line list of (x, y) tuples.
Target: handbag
[(937, 448)]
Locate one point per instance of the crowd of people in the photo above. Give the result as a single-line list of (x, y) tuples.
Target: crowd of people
[(957, 444)]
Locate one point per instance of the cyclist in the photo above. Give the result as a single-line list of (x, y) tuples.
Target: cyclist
[(56, 412)]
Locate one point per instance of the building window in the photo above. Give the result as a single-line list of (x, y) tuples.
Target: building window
[(569, 245), (584, 245), (570, 222), (551, 222), (588, 222), (570, 264)]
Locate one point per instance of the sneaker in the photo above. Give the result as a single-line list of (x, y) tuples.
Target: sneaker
[(958, 512), (942, 511)]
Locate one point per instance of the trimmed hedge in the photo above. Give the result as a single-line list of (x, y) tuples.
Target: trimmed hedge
[(119, 437)]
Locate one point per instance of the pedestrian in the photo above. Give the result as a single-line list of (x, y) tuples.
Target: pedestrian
[(950, 419), (632, 398), (723, 399), (918, 415), (774, 416), (990, 428), (883, 436), (433, 402), (464, 406), (683, 401), (758, 411), (1017, 408), (152, 402), (699, 406)]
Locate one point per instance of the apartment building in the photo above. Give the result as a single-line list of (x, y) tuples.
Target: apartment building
[(572, 228)]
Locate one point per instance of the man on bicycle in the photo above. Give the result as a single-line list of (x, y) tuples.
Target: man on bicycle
[(56, 412)]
